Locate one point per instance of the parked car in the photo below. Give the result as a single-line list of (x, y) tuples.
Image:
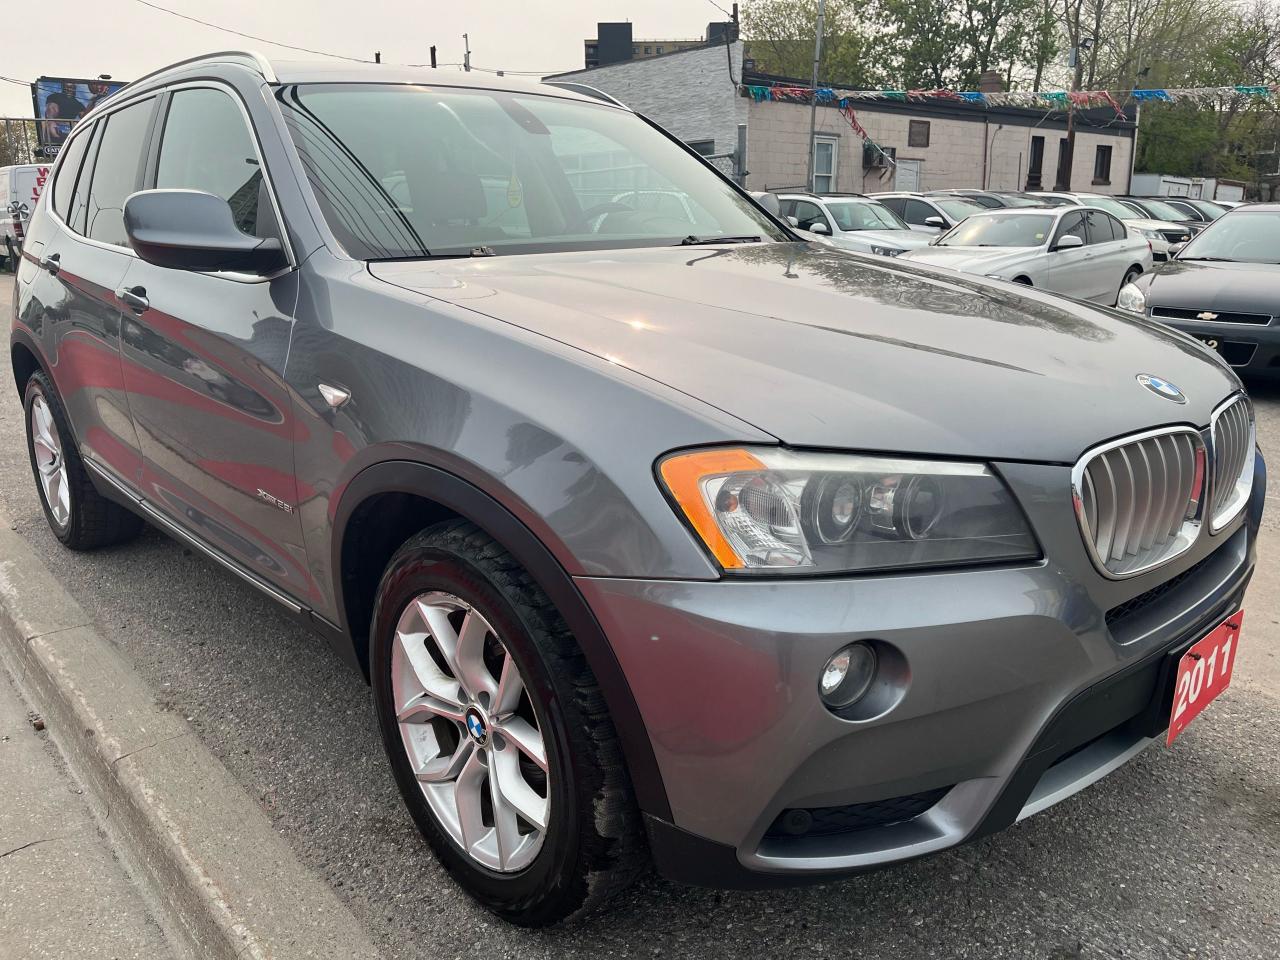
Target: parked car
[(766, 561), (852, 222), (925, 214), (20, 189), (1154, 209), (1165, 235), (1083, 253), (1223, 288), (1202, 211), (988, 198)]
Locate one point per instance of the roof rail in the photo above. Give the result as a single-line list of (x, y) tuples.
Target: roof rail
[(586, 91), (255, 60)]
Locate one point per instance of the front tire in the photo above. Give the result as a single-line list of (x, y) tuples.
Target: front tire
[(1133, 274), (497, 732), (78, 515)]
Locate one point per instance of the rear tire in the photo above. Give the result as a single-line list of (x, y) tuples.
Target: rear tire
[(78, 515), (591, 846)]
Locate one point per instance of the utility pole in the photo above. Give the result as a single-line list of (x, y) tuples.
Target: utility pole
[(433, 56), (813, 103), (1067, 162), (377, 56), (466, 57)]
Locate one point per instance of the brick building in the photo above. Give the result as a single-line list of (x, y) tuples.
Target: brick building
[(933, 144)]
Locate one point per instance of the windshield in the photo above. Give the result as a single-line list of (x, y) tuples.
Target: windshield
[(1161, 210), (957, 209), (1243, 237), (1000, 230), (1113, 207), (1019, 201), (413, 171), (849, 215)]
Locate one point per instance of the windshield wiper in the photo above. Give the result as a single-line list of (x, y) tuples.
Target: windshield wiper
[(692, 241), (1214, 259)]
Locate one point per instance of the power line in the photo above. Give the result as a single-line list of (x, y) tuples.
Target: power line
[(249, 36), (21, 83), (721, 9)]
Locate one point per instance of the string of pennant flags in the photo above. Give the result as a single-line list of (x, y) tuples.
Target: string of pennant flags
[(843, 100)]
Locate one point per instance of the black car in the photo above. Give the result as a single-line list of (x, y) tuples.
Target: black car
[(1159, 209), (1201, 211), (1223, 288)]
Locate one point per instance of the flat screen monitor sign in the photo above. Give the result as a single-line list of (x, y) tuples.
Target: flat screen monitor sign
[(60, 102)]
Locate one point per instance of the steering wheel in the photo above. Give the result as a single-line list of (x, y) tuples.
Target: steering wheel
[(583, 220)]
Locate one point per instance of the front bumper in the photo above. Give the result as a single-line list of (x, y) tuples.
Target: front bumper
[(1024, 685)]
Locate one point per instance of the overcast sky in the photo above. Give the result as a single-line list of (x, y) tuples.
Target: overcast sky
[(83, 38)]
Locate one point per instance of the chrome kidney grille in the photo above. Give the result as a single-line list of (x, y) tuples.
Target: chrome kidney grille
[(1139, 499), (1142, 500), (1232, 433)]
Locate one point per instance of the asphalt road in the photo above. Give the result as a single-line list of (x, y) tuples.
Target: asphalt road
[(1175, 855)]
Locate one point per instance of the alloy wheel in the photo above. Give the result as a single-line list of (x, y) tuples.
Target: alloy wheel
[(469, 729), (51, 465)]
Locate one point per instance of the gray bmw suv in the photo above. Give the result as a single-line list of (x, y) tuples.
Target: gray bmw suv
[(660, 535)]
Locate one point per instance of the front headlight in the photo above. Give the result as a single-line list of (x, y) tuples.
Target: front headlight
[(1150, 234), (768, 510), (885, 251), (1132, 299)]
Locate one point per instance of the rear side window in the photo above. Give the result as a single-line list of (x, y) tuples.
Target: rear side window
[(64, 184), (207, 146), (116, 173)]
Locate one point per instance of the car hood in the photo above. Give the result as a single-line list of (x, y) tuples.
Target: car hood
[(899, 239), (971, 259), (1162, 225), (820, 347), (1220, 287)]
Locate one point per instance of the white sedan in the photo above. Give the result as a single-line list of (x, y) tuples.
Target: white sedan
[(1080, 252)]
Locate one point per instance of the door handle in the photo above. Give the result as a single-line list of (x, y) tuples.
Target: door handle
[(135, 297), (51, 263)]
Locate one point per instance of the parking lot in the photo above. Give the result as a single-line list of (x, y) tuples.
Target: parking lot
[(1174, 855)]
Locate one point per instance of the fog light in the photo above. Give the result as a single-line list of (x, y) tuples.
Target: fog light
[(848, 675)]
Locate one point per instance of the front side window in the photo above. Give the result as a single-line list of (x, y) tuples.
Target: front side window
[(918, 212), (1000, 230), (1073, 224), (958, 209), (413, 171), (1114, 207), (64, 184), (206, 146), (807, 214), (116, 172)]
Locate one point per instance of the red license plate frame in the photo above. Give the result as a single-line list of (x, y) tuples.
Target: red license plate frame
[(1204, 671)]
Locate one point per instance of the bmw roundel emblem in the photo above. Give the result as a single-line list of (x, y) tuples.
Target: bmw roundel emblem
[(476, 727), (1162, 388)]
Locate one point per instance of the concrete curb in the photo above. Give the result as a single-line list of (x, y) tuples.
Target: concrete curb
[(219, 878)]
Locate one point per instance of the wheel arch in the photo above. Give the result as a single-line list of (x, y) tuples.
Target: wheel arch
[(388, 502), (25, 359)]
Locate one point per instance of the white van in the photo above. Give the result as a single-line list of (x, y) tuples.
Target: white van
[(20, 189)]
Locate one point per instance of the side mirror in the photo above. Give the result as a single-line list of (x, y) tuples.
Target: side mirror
[(793, 221), (935, 222), (191, 230), (1175, 249), (819, 227), (1068, 241)]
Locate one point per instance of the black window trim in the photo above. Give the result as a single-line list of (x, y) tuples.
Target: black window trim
[(59, 169), (155, 142), (91, 157)]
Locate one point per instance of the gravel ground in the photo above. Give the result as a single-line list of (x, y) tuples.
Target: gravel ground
[(1175, 855)]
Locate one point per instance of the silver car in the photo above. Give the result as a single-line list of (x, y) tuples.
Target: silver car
[(851, 223), (658, 541), (1083, 253)]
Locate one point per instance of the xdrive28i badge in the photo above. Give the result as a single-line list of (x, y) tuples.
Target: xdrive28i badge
[(1162, 387)]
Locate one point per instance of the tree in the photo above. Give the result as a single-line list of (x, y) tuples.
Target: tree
[(780, 34)]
